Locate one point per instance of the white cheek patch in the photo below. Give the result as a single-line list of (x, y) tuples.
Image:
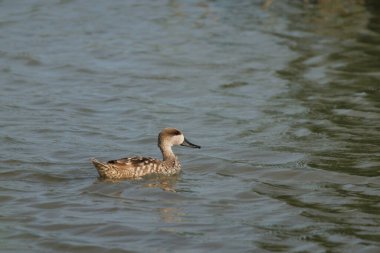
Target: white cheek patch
[(178, 139)]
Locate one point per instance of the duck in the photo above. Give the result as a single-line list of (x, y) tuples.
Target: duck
[(139, 166)]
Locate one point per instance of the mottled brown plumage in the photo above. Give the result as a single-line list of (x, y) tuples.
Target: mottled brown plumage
[(135, 167)]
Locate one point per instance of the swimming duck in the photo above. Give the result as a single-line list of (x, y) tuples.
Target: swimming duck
[(136, 167)]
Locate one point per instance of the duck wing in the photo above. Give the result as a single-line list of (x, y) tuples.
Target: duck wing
[(134, 167), (134, 161)]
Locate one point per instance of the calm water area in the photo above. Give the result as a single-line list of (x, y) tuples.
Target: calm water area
[(283, 97)]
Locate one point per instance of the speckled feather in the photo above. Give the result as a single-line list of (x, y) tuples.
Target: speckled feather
[(136, 167)]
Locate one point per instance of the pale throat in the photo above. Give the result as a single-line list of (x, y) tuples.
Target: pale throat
[(167, 153)]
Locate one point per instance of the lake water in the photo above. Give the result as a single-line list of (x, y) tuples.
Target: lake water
[(283, 97)]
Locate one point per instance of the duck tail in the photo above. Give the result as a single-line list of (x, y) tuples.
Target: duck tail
[(102, 168)]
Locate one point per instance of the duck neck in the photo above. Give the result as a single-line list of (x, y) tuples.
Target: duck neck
[(167, 153)]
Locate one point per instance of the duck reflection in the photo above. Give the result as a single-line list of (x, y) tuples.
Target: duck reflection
[(171, 214), (167, 183), (168, 214)]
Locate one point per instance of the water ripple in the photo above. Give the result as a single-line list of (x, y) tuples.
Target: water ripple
[(283, 100)]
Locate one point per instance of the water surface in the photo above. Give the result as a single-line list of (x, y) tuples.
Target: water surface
[(283, 97)]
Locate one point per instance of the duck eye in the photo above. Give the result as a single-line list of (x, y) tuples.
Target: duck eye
[(174, 132)]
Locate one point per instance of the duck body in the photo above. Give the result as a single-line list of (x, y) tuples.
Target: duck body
[(135, 167), (138, 166)]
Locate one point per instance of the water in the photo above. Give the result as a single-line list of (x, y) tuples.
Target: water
[(283, 97)]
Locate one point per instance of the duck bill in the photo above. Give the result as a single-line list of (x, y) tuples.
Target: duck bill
[(186, 143)]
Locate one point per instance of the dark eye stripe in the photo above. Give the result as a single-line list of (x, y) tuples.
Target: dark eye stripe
[(174, 132)]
